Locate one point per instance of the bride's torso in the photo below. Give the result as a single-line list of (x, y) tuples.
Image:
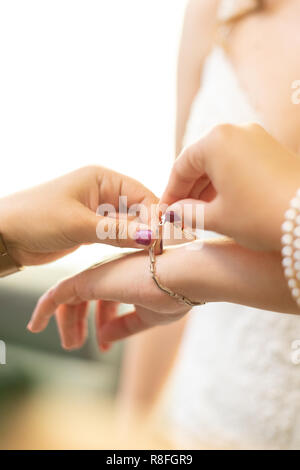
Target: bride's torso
[(252, 77), (235, 380), (264, 51)]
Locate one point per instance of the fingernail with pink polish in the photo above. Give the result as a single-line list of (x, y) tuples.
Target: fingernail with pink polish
[(172, 217), (143, 237)]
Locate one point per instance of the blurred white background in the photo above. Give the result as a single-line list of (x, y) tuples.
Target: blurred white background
[(84, 82)]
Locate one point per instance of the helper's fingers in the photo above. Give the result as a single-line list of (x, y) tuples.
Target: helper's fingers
[(72, 325), (124, 232), (187, 170), (106, 310), (198, 215)]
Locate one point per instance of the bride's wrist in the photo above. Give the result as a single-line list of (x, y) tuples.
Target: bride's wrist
[(180, 270), (9, 262), (9, 245)]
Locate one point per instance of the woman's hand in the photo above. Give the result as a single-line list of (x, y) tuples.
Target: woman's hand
[(47, 222), (219, 271), (244, 178), (127, 280)]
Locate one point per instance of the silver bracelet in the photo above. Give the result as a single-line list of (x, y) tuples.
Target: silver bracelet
[(291, 247), (152, 255)]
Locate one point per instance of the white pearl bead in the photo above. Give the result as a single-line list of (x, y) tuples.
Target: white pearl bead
[(289, 272), (287, 251), (287, 239), (297, 265), (287, 262), (295, 203), (292, 283), (287, 226), (291, 247), (290, 214), (296, 293)]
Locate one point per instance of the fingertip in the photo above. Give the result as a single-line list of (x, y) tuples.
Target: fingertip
[(34, 329), (105, 337), (102, 345), (143, 238), (69, 347), (71, 344), (105, 347)]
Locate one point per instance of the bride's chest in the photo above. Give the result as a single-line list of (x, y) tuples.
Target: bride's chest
[(265, 52)]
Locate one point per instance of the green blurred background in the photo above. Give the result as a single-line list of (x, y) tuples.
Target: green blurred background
[(37, 366)]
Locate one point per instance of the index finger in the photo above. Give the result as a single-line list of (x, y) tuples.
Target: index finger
[(187, 169), (62, 293)]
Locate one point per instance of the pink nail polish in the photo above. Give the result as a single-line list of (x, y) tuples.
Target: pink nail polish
[(143, 237), (172, 217)]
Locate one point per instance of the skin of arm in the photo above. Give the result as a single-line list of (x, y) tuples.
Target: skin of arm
[(215, 271), (231, 273), (147, 362), (148, 358), (198, 34)]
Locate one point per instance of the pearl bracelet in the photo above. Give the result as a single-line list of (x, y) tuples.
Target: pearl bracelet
[(291, 247)]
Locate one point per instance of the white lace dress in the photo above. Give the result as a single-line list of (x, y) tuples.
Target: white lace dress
[(234, 382)]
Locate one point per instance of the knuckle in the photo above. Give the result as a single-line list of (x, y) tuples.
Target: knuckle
[(190, 157), (52, 296), (219, 141), (117, 231), (88, 173), (81, 289), (121, 230), (222, 132), (253, 127), (77, 286), (132, 324), (90, 169)]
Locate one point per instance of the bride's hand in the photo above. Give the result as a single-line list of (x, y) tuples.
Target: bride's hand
[(127, 280), (220, 271), (244, 178)]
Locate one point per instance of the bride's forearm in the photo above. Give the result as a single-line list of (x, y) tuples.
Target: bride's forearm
[(223, 271)]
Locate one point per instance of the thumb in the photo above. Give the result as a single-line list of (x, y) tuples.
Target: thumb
[(120, 232), (195, 214)]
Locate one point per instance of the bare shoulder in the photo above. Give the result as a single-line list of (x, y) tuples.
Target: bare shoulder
[(200, 23), (203, 9)]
